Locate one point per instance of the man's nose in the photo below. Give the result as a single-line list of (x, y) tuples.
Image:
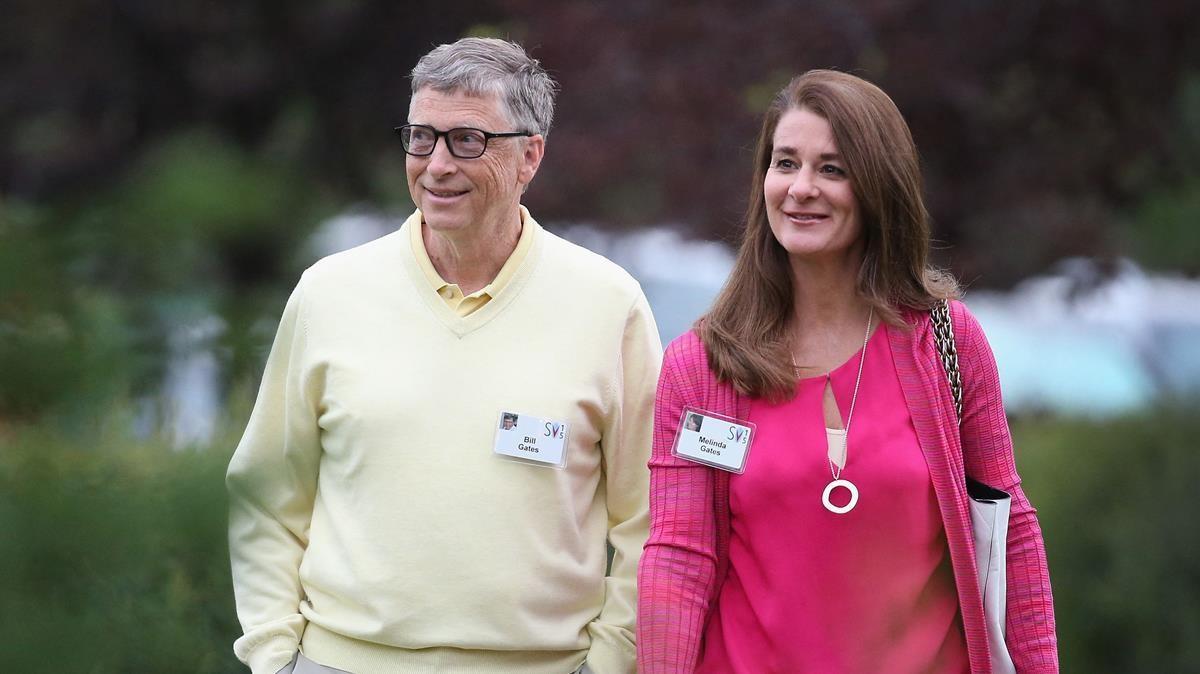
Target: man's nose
[(441, 162)]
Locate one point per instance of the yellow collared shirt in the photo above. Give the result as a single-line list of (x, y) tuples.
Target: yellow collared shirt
[(465, 305)]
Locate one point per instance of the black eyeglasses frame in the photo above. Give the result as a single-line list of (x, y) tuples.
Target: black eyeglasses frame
[(437, 135)]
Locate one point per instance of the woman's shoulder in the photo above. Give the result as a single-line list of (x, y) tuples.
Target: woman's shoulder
[(961, 318), (968, 334), (686, 352), (686, 344), (969, 338), (685, 361)]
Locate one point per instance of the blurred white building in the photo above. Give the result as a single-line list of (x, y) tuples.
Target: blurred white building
[(1075, 341)]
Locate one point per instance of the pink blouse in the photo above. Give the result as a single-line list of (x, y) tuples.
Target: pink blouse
[(684, 564), (811, 591)]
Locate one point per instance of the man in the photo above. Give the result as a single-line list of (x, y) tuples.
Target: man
[(380, 520)]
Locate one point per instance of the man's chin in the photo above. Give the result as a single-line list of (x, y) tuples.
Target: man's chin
[(440, 220)]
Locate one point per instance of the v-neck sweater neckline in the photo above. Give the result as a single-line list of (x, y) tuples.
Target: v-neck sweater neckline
[(461, 326)]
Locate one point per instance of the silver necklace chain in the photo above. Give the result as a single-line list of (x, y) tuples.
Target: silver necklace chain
[(834, 469)]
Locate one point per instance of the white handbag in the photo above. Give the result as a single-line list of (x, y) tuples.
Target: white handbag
[(989, 512)]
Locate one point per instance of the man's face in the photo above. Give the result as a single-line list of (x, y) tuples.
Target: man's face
[(463, 195), (508, 423)]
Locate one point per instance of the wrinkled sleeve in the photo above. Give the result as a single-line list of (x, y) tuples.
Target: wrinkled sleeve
[(988, 455), (679, 563), (625, 443), (272, 482)]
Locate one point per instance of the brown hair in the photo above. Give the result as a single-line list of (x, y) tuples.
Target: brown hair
[(746, 331)]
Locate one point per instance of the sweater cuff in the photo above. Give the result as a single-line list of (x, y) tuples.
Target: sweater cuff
[(272, 655)]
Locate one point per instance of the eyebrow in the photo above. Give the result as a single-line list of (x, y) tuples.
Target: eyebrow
[(448, 128), (826, 156)]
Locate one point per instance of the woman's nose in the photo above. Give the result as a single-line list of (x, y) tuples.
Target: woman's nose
[(803, 187)]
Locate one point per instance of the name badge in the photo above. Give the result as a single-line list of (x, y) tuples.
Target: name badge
[(713, 440), (527, 438)]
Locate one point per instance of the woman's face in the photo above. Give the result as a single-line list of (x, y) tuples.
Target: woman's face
[(808, 194)]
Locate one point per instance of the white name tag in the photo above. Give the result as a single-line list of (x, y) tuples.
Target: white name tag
[(713, 439), (529, 438)]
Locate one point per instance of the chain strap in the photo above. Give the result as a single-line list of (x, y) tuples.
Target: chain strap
[(943, 335)]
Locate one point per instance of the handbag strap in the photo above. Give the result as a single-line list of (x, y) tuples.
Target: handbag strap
[(943, 336)]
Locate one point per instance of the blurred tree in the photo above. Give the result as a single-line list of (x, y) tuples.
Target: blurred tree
[(61, 346), (1112, 498), (1039, 122), (88, 84), (117, 546), (1162, 227), (157, 155), (92, 287), (163, 162)]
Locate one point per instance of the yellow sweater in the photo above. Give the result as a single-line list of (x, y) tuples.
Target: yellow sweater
[(370, 521)]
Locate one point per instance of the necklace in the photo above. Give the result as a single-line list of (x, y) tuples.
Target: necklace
[(834, 469)]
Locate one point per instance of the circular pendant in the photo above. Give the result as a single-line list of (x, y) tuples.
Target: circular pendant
[(840, 510)]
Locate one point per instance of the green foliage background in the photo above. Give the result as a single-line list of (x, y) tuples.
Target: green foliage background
[(114, 559)]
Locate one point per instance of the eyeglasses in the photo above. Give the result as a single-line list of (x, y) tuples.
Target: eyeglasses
[(463, 142)]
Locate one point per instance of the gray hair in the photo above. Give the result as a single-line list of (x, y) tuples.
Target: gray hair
[(489, 67)]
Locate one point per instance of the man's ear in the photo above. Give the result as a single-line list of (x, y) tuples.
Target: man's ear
[(531, 158)]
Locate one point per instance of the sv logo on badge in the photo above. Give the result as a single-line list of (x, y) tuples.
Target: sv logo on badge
[(738, 435), (553, 430)]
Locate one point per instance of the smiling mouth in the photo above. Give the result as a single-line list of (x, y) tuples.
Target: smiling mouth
[(805, 217), (445, 194)]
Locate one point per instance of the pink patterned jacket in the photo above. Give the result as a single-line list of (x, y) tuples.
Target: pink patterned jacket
[(687, 553)]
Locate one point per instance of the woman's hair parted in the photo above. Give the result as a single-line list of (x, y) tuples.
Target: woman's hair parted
[(746, 332)]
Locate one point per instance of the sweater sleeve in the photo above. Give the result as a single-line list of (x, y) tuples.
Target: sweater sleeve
[(988, 457), (272, 482), (625, 443), (679, 564)]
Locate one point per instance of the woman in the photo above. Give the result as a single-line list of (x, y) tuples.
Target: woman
[(845, 544)]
